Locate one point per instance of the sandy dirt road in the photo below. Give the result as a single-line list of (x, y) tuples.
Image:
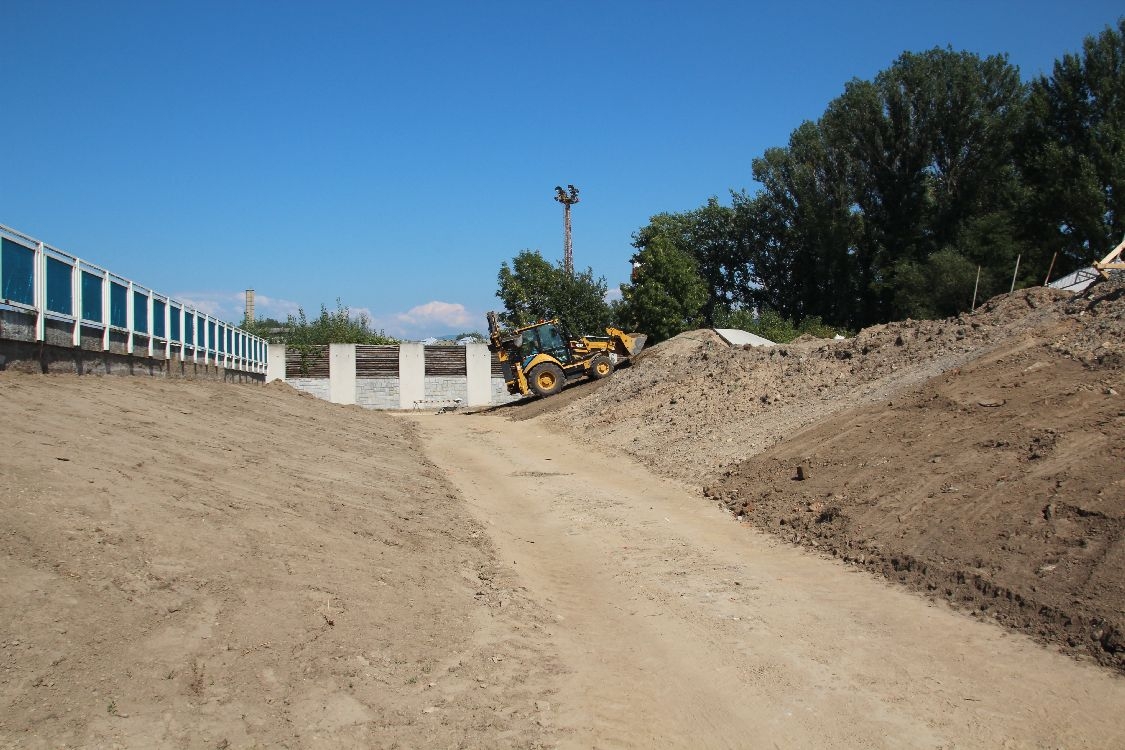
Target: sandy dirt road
[(679, 627)]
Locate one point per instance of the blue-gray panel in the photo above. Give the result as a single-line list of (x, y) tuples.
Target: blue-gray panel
[(118, 305), (92, 296), (60, 292), (158, 318), (18, 266), (140, 312)]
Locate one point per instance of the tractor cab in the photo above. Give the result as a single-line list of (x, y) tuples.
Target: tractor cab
[(544, 338)]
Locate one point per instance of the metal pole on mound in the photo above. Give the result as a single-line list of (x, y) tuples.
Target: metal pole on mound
[(976, 286), (568, 199)]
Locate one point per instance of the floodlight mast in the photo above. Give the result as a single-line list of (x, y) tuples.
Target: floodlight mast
[(568, 198)]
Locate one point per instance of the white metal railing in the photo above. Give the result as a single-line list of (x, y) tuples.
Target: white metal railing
[(54, 285)]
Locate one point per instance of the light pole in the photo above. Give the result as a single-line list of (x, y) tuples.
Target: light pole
[(568, 199)]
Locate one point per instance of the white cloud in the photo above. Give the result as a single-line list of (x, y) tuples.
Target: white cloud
[(432, 318), (231, 306), (612, 295), (443, 313)]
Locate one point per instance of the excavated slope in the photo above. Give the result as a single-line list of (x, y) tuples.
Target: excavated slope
[(978, 458)]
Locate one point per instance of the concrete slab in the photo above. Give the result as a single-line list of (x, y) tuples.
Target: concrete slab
[(737, 337)]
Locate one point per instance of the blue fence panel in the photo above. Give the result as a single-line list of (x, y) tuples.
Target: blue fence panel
[(60, 290), (48, 280), (140, 312), (92, 297), (18, 266), (158, 306), (118, 305)]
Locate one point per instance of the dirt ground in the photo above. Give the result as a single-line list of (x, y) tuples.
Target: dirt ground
[(978, 459), (201, 565), (187, 564), (682, 628)]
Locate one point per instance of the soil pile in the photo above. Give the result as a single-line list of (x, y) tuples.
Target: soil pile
[(693, 405), (210, 565), (977, 458)]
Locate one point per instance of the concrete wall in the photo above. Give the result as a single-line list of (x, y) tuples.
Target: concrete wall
[(377, 393), (411, 375), (341, 373), (57, 354), (439, 389), (411, 389), (316, 386)]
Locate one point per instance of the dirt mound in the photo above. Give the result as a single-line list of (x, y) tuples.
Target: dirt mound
[(976, 457), (211, 565), (694, 405), (997, 486)]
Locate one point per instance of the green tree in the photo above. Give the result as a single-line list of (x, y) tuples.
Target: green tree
[(712, 236), (533, 289), (802, 231), (929, 144), (333, 327), (667, 295), (1074, 152), (271, 329)]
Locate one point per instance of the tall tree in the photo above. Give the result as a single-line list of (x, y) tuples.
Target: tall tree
[(533, 289), (1074, 151), (930, 159), (710, 235), (667, 295), (801, 230)]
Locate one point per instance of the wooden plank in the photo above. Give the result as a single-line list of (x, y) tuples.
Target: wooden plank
[(445, 361), (310, 363), (376, 361)]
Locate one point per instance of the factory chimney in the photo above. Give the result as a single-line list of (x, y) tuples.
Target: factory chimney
[(249, 305)]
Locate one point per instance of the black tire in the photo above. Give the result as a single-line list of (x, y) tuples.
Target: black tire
[(546, 379), (601, 366)]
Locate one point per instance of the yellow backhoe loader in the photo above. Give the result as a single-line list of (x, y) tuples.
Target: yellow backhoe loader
[(539, 358)]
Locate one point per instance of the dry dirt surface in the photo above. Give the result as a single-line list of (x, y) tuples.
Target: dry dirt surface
[(678, 627), (204, 565), (979, 459), (200, 565)]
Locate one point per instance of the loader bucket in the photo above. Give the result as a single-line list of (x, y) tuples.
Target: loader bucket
[(635, 342)]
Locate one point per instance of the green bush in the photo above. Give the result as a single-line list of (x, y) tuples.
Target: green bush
[(771, 325)]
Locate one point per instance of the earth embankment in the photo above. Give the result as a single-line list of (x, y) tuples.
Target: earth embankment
[(196, 564), (977, 458)]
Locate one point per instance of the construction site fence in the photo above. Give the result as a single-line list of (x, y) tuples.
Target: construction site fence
[(52, 285)]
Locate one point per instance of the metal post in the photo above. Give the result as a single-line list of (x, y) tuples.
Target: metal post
[(1047, 280), (76, 300), (151, 327), (105, 310), (975, 287), (39, 293), (130, 316)]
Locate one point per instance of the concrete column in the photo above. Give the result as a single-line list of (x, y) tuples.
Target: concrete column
[(411, 374), (341, 373), (275, 362), (478, 369)]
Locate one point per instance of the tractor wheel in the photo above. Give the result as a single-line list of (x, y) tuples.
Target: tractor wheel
[(546, 379), (600, 366)]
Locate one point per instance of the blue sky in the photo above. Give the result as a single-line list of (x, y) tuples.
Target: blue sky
[(393, 155)]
